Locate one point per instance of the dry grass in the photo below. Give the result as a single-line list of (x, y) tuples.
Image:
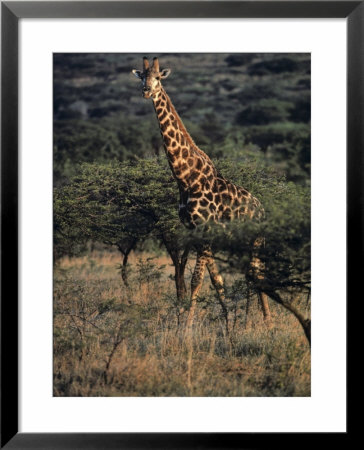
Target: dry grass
[(110, 340)]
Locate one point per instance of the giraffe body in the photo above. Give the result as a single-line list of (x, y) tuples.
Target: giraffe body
[(205, 195)]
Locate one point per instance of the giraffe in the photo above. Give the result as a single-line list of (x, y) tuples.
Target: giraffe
[(205, 195)]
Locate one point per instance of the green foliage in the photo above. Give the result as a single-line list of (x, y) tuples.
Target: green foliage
[(115, 201), (254, 176), (286, 146), (278, 64), (264, 111), (69, 237), (236, 59), (101, 141)]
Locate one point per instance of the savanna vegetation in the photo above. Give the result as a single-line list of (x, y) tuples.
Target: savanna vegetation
[(122, 259)]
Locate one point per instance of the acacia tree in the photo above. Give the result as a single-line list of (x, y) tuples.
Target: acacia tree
[(120, 204), (285, 232)]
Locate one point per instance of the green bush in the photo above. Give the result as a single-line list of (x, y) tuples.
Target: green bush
[(264, 112)]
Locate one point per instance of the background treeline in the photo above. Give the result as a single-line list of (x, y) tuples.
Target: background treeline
[(235, 106)]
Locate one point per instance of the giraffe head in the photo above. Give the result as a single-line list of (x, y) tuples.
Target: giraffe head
[(151, 77)]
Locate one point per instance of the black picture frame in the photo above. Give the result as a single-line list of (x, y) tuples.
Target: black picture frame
[(11, 12)]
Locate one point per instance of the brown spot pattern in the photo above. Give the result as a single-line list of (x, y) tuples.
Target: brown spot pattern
[(205, 193)]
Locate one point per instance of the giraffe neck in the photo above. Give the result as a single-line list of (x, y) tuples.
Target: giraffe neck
[(185, 158), (204, 194)]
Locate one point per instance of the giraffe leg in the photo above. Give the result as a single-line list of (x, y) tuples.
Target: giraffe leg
[(196, 284), (257, 267), (218, 284), (263, 299), (248, 304)]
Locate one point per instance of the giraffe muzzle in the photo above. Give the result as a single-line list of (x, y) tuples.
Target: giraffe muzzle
[(147, 92)]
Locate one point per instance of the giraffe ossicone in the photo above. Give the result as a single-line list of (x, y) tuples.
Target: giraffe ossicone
[(205, 195)]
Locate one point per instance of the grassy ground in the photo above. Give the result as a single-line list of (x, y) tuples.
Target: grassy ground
[(112, 340)]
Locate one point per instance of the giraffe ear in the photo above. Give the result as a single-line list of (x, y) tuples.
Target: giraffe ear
[(137, 73), (165, 72)]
